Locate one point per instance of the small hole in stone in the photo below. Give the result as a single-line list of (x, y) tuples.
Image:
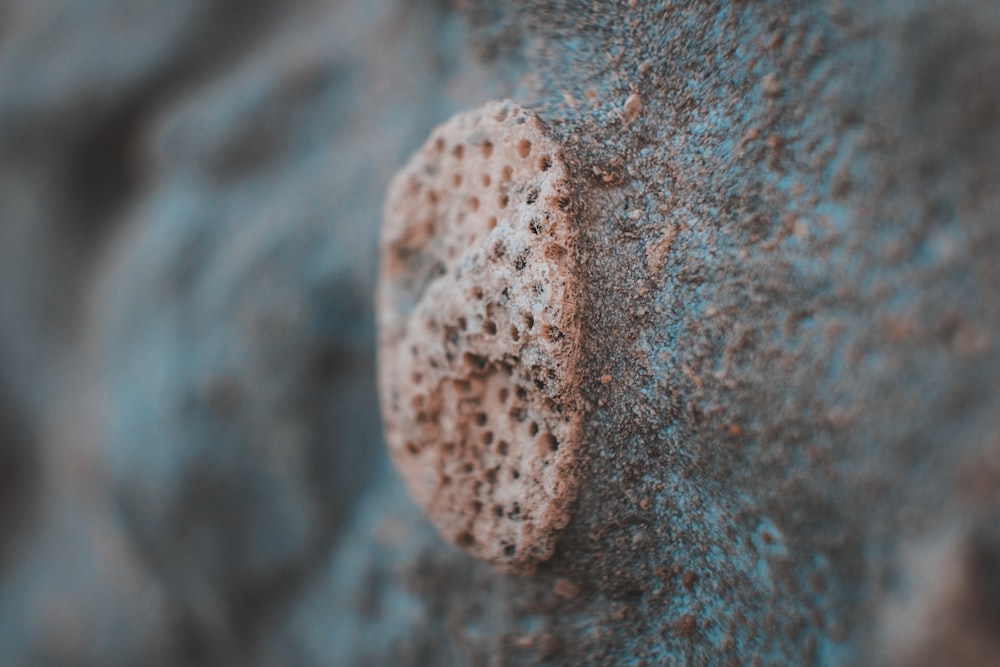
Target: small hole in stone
[(492, 222), (533, 428), (474, 203), (509, 550), (488, 438), (412, 448), (481, 418), (515, 474), (464, 386), (491, 476), (439, 144), (529, 321), (465, 539), (514, 333), (545, 163), (486, 180), (503, 394), (477, 506), (498, 513), (520, 262), (524, 148), (503, 201), (553, 334), (532, 196), (476, 361), (522, 394), (519, 414), (549, 443), (503, 448), (476, 293), (536, 226), (417, 378), (507, 173), (456, 180), (540, 384), (459, 152), (487, 148), (468, 468), (462, 323), (563, 203), (490, 327)]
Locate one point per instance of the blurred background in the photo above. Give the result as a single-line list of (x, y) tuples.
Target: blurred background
[(190, 195)]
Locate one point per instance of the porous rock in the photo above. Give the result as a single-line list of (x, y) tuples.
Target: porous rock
[(479, 325)]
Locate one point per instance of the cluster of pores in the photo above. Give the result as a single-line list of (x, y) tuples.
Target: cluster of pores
[(479, 334)]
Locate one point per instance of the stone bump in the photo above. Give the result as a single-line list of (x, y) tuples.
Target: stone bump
[(478, 314)]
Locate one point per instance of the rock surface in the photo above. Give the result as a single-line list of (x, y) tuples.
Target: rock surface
[(787, 448), (479, 325)]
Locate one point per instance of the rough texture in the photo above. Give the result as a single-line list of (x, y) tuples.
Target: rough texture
[(788, 354), (479, 333)]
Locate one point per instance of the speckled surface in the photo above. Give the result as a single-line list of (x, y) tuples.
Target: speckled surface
[(479, 319), (789, 449)]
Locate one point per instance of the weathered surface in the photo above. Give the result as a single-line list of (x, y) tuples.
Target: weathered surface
[(479, 331), (787, 354)]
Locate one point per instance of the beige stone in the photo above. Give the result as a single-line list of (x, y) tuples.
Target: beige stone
[(478, 319)]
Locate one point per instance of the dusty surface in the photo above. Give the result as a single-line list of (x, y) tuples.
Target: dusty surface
[(788, 351)]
